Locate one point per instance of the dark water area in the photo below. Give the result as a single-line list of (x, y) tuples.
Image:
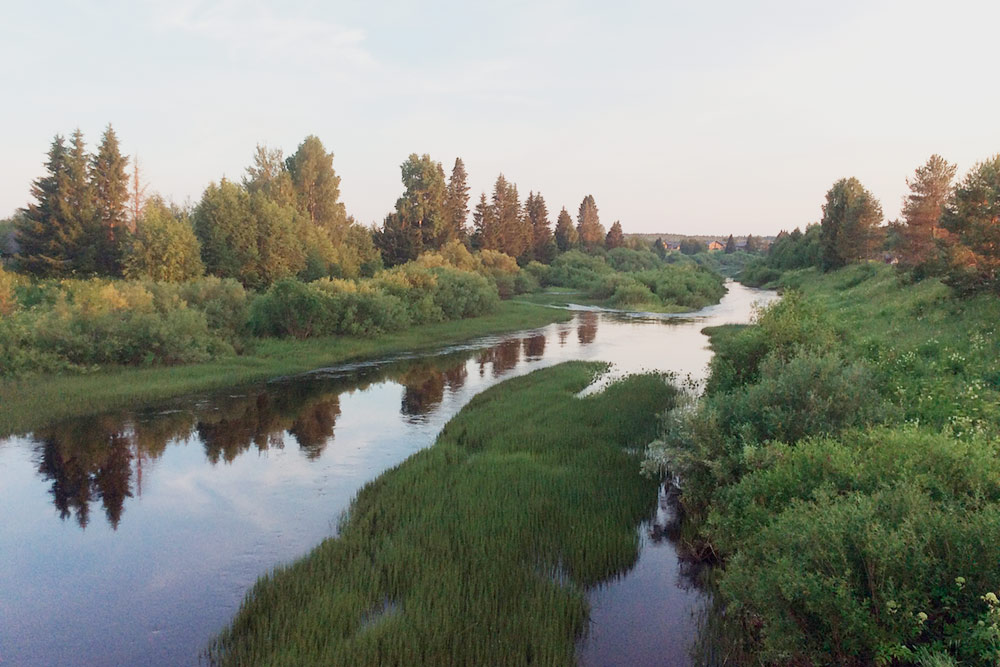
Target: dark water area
[(132, 537)]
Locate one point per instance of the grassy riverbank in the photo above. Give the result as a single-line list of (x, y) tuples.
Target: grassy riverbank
[(37, 401), (844, 464), (479, 549)]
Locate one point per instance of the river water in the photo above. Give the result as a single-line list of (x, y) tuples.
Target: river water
[(132, 537)]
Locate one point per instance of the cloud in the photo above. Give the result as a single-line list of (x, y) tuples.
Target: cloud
[(254, 32)]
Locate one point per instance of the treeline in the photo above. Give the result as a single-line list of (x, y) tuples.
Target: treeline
[(90, 217), (948, 229)]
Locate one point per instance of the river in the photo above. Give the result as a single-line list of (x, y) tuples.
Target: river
[(132, 537)]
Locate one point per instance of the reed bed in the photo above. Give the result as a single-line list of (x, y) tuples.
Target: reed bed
[(478, 550)]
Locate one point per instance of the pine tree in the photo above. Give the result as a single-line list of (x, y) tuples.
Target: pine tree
[(615, 237), (317, 187), (456, 205), (730, 245), (565, 233), (973, 217), (930, 189), (849, 228), (39, 231), (110, 190), (588, 228)]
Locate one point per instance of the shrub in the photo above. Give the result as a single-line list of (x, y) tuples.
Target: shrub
[(8, 298), (632, 294)]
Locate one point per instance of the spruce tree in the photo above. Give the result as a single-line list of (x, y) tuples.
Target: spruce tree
[(110, 190), (541, 230), (565, 233), (486, 234), (78, 217), (39, 231), (751, 244), (456, 205), (730, 245), (515, 234), (588, 228), (615, 237)]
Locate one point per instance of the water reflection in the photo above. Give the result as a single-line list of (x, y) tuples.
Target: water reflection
[(586, 331), (100, 459), (187, 503)]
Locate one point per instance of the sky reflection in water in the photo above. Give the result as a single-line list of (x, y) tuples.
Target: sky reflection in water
[(132, 537)]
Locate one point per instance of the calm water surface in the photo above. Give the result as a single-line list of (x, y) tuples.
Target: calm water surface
[(132, 537)]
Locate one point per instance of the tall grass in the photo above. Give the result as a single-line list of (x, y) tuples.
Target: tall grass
[(478, 550)]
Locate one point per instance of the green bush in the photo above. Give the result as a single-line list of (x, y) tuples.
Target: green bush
[(632, 294)]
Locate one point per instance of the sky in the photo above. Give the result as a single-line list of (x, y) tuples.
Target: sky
[(685, 117)]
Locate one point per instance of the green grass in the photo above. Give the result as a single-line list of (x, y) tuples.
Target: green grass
[(35, 402), (843, 462), (478, 550)]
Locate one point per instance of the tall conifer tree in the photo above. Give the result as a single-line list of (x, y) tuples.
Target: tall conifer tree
[(565, 233), (930, 189), (456, 205), (110, 190), (541, 230), (588, 227), (40, 233), (615, 237), (78, 214)]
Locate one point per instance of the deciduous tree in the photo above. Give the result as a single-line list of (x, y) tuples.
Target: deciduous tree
[(163, 247), (849, 228), (317, 187)]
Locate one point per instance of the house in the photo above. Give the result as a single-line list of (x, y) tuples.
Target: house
[(715, 245)]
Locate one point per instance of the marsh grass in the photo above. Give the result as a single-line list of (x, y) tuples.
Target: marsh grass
[(478, 550), (38, 401)]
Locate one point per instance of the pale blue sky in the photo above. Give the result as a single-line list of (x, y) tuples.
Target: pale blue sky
[(707, 117)]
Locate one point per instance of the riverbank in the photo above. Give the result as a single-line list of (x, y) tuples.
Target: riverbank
[(479, 549), (843, 465), (38, 401)]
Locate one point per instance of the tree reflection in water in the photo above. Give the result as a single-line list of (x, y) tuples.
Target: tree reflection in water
[(586, 330), (103, 459)]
